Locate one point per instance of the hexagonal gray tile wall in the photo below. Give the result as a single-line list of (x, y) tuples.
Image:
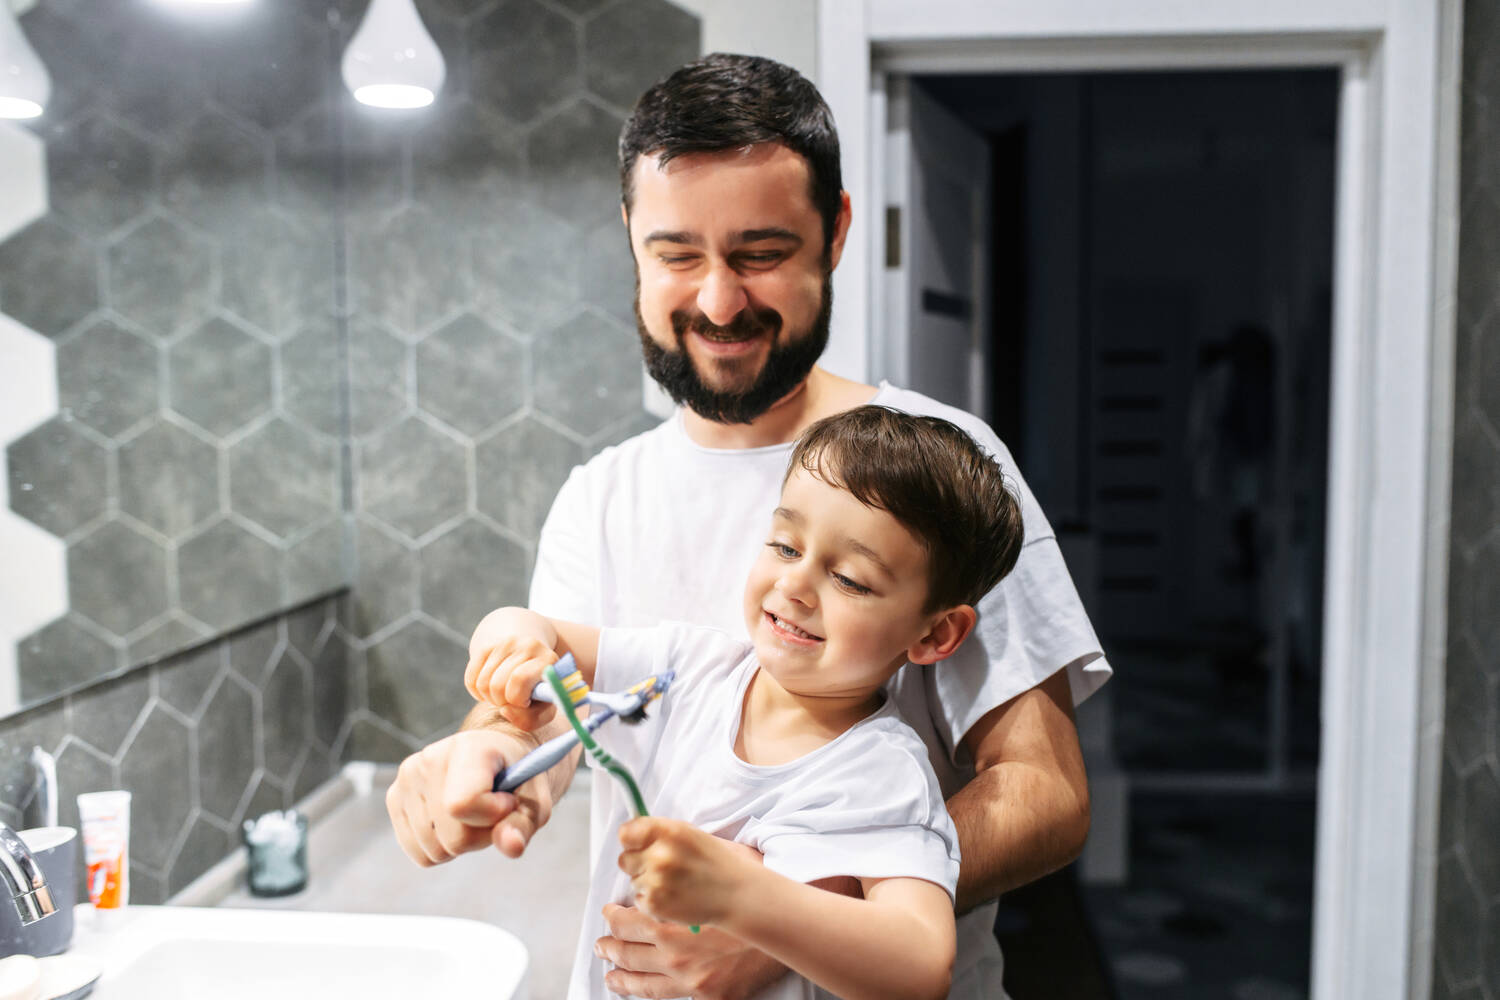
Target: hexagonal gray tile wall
[(1467, 933), (484, 259)]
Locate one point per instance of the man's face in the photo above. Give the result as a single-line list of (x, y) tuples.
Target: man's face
[(733, 283)]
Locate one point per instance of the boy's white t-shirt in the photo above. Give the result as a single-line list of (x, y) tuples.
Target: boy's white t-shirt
[(816, 817), (659, 528)]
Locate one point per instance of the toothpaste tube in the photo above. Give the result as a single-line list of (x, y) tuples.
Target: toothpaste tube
[(105, 818)]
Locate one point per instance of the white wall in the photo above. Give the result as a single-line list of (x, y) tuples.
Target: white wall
[(784, 30)]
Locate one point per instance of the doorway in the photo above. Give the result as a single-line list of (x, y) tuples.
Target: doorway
[(1148, 292)]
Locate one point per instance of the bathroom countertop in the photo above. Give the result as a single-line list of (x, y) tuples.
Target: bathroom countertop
[(356, 866)]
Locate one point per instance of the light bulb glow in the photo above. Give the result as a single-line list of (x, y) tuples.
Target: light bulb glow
[(393, 95), (24, 83), (392, 62)]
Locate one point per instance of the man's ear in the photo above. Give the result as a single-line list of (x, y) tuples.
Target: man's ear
[(840, 229), (946, 632)]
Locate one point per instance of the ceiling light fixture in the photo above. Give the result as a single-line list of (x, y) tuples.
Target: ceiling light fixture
[(24, 83), (392, 62)]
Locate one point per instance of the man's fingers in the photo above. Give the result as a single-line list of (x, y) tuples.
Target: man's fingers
[(631, 925), (647, 986)]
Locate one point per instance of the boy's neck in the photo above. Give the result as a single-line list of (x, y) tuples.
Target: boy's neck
[(777, 726)]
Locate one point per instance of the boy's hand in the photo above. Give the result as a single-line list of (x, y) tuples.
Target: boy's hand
[(680, 873), (504, 675)]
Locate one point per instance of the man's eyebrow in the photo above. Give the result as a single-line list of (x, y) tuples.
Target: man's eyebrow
[(768, 233), (672, 236)]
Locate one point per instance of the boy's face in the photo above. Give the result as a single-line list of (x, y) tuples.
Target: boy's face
[(836, 596)]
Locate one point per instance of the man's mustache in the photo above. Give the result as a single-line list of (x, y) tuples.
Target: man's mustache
[(746, 324)]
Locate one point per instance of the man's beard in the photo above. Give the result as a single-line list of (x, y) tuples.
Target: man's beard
[(787, 364)]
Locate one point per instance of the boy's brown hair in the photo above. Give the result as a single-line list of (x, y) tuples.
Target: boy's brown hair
[(935, 479)]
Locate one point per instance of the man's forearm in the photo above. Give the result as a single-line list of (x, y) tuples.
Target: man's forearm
[(560, 775), (1016, 822)]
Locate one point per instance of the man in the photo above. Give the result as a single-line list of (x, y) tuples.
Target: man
[(736, 216)]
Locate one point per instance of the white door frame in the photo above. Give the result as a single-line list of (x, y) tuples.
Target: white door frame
[(1390, 433)]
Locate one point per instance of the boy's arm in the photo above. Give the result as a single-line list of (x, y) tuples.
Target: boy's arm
[(896, 943), (1025, 752)]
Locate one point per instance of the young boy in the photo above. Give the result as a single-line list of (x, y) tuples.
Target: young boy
[(890, 527)]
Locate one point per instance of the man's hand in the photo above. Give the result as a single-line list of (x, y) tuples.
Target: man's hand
[(656, 959), (441, 805)]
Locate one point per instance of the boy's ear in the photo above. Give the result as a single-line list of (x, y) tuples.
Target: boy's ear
[(946, 633)]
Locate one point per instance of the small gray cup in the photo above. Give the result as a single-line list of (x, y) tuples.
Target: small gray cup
[(56, 851)]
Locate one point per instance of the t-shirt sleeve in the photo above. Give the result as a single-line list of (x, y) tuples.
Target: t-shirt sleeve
[(565, 582), (874, 812)]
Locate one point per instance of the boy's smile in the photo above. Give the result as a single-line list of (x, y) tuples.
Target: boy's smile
[(834, 601)]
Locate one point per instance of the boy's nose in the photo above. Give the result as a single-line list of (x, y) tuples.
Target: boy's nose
[(794, 585), (722, 296)]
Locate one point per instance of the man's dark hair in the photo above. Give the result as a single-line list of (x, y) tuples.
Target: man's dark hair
[(724, 102), (935, 479)]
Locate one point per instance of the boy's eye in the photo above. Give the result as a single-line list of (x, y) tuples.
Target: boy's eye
[(850, 585), (783, 550)]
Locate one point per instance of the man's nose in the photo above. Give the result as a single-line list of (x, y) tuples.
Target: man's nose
[(721, 296)]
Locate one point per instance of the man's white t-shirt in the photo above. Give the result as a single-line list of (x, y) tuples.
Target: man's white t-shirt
[(815, 817), (659, 528)]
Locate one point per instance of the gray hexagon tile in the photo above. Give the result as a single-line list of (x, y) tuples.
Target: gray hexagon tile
[(391, 276), (99, 174), (49, 277), (80, 768), (381, 373), (59, 42), (1460, 921), (1481, 818), (1476, 478), (628, 47), (311, 372), (254, 651), (117, 577), (412, 478), (317, 766), (157, 768), (225, 733), (156, 79), (526, 268), (1475, 608), (185, 682), (518, 472), (1478, 254), (372, 739), (171, 636), (587, 374), (283, 478), (466, 161), (583, 6), (385, 584), (59, 657), (58, 477), (415, 680), (267, 793), (317, 562), (207, 844), (286, 716), (525, 59), (108, 378), (271, 68), (468, 572), (104, 715), (573, 163), (456, 10), (216, 174), (277, 274), (309, 627), (310, 162), (1487, 364), (161, 277), (470, 375), (606, 271), (219, 377), (169, 479), (227, 575), (331, 694)]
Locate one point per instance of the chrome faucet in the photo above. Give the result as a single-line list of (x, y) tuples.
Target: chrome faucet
[(23, 878)]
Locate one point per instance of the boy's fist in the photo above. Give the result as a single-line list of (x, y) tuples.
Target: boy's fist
[(504, 675), (679, 872)]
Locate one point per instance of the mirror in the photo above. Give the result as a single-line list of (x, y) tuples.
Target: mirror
[(297, 344)]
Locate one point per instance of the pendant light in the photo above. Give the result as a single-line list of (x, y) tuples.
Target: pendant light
[(392, 62), (24, 83)]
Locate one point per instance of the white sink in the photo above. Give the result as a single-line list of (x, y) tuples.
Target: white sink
[(184, 953)]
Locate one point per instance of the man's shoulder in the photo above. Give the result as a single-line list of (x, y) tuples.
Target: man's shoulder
[(911, 401)]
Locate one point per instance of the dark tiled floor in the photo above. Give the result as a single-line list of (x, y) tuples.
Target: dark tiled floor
[(1218, 905)]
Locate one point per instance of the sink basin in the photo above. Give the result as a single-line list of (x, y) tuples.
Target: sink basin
[(172, 952)]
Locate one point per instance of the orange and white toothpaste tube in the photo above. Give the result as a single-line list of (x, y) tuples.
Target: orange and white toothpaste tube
[(105, 818)]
